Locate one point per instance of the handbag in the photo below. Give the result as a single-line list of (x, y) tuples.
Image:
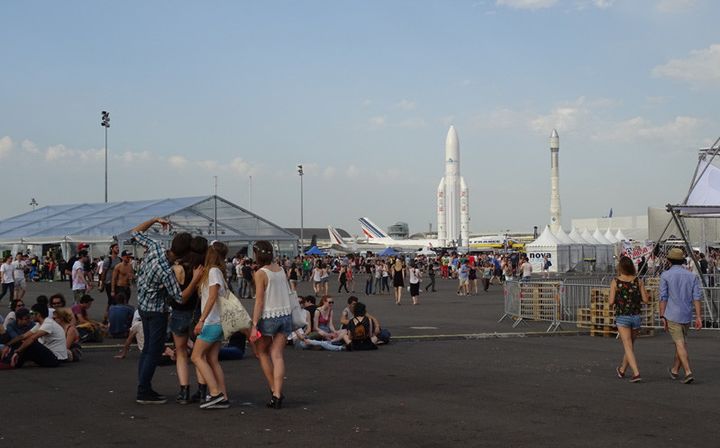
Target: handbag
[(233, 315), (297, 312)]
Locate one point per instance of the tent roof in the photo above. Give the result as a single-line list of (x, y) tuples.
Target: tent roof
[(546, 239), (575, 236), (620, 236), (599, 237), (589, 238), (99, 222), (610, 237), (563, 237)]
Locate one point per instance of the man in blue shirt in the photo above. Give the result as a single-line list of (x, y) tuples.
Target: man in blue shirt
[(679, 294), (157, 286)]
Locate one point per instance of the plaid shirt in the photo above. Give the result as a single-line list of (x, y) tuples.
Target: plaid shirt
[(156, 281)]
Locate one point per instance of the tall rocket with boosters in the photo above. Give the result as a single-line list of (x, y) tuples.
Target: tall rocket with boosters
[(453, 213), (554, 181)]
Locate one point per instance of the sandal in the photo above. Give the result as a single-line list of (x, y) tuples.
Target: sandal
[(673, 376), (620, 373)]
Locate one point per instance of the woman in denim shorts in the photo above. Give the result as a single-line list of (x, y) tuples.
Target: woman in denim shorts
[(271, 318), (627, 294)]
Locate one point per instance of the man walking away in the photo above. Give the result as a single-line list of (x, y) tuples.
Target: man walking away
[(679, 294)]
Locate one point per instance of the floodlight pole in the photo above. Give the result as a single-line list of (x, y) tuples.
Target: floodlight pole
[(215, 216), (105, 117), (302, 224)]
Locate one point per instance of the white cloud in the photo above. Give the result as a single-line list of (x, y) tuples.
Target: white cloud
[(406, 105), (58, 152), (6, 146), (701, 67), (329, 172), (133, 157), (178, 162), (412, 123), (29, 146), (680, 130), (566, 117), (670, 6), (240, 166), (602, 4), (378, 121), (526, 4)]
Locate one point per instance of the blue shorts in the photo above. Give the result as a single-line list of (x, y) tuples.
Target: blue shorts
[(181, 322), (633, 322), (211, 333), (274, 325)]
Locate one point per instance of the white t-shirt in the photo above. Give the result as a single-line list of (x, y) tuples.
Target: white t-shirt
[(414, 275), (54, 339), (215, 277), (78, 276), (19, 267), (7, 273), (527, 269)]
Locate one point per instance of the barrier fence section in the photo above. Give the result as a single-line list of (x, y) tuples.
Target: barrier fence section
[(583, 303)]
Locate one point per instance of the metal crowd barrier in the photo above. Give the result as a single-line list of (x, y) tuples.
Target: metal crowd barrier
[(582, 303)]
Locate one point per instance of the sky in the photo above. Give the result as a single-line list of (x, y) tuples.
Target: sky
[(362, 94)]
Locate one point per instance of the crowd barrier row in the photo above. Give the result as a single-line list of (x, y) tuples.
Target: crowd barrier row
[(583, 303)]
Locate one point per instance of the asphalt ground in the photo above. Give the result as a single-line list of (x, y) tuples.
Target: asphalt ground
[(519, 391)]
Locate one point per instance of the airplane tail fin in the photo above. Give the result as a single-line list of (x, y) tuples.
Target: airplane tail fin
[(335, 237), (371, 230)]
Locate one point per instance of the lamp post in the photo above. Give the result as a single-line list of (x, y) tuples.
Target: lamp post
[(302, 224), (105, 116)]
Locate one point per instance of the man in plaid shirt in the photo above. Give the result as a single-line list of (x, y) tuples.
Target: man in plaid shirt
[(157, 286)]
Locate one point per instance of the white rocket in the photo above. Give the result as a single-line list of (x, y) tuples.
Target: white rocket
[(453, 213), (554, 181)]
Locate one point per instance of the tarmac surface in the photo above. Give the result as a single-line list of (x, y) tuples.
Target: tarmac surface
[(428, 388)]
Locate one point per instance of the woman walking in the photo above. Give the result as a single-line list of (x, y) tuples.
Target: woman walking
[(342, 278), (627, 294), (293, 277), (398, 279), (414, 282), (271, 318), (209, 329)]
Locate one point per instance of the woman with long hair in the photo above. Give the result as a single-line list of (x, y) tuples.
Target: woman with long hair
[(271, 318), (414, 277), (293, 276), (181, 319), (627, 294), (209, 329)]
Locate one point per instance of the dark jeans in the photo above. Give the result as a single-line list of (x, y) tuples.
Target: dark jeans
[(385, 285), (343, 284), (8, 287), (154, 329), (432, 283), (39, 354), (368, 285)]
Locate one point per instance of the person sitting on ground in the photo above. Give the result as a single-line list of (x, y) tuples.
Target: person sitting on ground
[(347, 313), (14, 305), (57, 302), (136, 334), (235, 347), (120, 317), (20, 325), (380, 335), (360, 330), (90, 331), (65, 319), (323, 321), (300, 339), (44, 345)]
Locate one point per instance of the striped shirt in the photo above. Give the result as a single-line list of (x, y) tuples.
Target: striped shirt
[(157, 284)]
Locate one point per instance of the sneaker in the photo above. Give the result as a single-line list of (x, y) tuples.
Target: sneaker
[(224, 404), (688, 379), (620, 374), (153, 398), (213, 400), (636, 378), (673, 376)]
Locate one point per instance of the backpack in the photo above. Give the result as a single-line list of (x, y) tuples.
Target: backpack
[(358, 332)]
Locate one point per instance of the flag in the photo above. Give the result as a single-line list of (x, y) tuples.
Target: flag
[(610, 214)]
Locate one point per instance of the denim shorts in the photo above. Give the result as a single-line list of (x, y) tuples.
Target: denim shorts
[(274, 325), (628, 321), (211, 333), (181, 322)]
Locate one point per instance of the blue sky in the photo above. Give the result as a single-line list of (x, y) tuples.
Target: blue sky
[(362, 94)]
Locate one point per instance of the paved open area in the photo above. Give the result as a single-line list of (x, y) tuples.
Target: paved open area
[(519, 391)]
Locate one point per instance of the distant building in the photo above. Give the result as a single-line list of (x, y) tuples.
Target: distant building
[(634, 227), (399, 230)]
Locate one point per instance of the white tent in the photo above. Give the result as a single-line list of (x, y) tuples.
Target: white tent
[(601, 250), (575, 249), (588, 248), (547, 245), (600, 237), (610, 237), (620, 236)]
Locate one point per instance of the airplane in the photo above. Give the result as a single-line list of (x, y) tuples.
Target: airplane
[(376, 235), (339, 243)]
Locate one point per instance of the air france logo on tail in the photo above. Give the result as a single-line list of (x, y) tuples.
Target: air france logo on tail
[(335, 237), (371, 230)]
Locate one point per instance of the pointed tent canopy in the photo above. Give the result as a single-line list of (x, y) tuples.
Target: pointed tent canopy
[(388, 252), (314, 251), (620, 236), (545, 239), (610, 237), (563, 237), (547, 245), (589, 238), (104, 222), (600, 238), (577, 237)]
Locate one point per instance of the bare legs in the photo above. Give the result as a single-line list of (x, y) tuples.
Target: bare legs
[(627, 335), (270, 354), (398, 294), (681, 359), (182, 359), (207, 363)]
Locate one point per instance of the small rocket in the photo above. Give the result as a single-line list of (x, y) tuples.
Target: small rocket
[(554, 181), (453, 213)]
